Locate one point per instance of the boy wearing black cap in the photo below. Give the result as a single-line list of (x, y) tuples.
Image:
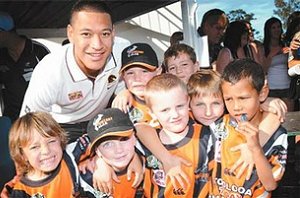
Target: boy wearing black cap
[(139, 65), (112, 139)]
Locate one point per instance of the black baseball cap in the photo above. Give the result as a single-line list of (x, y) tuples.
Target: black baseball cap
[(141, 54), (109, 122)]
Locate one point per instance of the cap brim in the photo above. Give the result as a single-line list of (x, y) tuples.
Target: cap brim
[(139, 64), (114, 133)]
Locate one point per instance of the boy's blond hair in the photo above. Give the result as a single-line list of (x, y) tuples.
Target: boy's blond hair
[(203, 83), (162, 83), (22, 131)]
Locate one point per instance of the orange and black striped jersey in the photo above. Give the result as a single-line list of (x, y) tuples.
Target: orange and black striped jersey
[(58, 184), (225, 183), (195, 147), (123, 189), (139, 112)]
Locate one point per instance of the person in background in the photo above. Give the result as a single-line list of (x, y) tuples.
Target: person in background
[(18, 57), (276, 60), (176, 38), (77, 81), (235, 39), (213, 24)]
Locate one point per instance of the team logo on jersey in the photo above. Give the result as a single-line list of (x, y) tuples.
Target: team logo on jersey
[(153, 162), (178, 191), (75, 95), (136, 115), (38, 195), (159, 177), (220, 131)]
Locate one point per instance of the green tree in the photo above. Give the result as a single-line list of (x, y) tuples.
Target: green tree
[(284, 8)]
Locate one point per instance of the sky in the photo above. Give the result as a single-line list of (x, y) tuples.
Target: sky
[(262, 9)]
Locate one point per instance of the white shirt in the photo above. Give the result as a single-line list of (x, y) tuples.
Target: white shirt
[(59, 87)]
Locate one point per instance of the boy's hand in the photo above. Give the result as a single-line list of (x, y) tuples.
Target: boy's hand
[(251, 134), (103, 177), (276, 106), (123, 100), (135, 167), (9, 186), (244, 162), (88, 164), (174, 172)]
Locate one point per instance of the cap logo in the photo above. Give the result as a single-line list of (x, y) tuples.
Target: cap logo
[(134, 52), (99, 122)]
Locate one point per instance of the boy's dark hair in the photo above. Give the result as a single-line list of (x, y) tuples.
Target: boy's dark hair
[(245, 68), (175, 49), (91, 5)]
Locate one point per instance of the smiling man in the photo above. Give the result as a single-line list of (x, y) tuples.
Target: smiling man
[(77, 81)]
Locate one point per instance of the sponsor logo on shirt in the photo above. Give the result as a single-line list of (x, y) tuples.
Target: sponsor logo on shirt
[(75, 95)]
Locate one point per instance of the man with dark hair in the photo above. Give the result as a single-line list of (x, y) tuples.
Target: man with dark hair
[(214, 23), (18, 57), (77, 81)]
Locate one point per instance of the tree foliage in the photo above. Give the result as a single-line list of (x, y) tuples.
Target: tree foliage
[(284, 8)]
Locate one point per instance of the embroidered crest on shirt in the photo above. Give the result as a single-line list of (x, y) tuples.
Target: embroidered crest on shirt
[(136, 115), (75, 95), (38, 195)]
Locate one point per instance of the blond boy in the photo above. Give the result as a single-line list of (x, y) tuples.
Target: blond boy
[(167, 97)]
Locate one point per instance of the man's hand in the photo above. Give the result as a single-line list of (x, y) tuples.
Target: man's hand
[(88, 164), (174, 172), (123, 100), (136, 167)]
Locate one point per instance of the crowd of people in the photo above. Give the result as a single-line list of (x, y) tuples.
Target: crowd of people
[(109, 121)]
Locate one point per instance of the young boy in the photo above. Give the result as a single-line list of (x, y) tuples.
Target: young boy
[(166, 96), (139, 65), (37, 146), (243, 91), (112, 139), (180, 60)]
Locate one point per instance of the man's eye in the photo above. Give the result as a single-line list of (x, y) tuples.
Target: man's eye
[(86, 34), (106, 34)]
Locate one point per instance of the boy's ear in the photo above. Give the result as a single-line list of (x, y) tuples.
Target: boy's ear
[(98, 153), (153, 116), (70, 33), (158, 71), (263, 94), (197, 68)]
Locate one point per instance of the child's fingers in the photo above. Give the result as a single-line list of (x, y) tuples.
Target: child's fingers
[(242, 169), (173, 182), (185, 162), (236, 165), (137, 180), (249, 171), (115, 177)]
